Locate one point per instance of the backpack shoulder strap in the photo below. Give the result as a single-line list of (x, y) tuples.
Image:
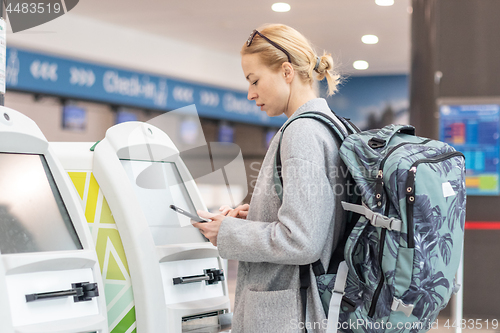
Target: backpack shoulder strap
[(349, 125), (340, 132)]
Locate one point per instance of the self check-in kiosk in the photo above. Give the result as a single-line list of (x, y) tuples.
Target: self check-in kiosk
[(50, 279), (177, 276)]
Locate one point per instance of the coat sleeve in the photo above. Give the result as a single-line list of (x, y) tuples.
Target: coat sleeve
[(304, 218)]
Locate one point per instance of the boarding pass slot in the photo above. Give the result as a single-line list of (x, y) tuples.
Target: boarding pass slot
[(81, 292), (212, 322), (210, 276)]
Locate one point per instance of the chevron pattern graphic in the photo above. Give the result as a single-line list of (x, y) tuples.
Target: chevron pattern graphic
[(114, 268)]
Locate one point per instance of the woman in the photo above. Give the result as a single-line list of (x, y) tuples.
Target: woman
[(270, 237)]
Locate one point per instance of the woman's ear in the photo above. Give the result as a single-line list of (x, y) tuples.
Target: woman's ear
[(288, 71)]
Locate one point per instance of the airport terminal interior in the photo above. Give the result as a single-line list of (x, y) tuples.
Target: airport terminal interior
[(121, 119)]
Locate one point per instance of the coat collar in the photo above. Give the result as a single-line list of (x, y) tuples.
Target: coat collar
[(316, 104)]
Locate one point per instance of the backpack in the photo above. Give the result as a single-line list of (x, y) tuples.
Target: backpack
[(393, 270)]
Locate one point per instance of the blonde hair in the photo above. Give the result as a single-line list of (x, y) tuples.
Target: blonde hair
[(302, 55)]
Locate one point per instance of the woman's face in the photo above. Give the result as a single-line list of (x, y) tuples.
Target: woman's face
[(269, 89)]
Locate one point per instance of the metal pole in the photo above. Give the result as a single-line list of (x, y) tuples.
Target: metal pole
[(423, 67)]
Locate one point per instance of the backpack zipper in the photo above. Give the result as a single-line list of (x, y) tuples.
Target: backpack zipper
[(410, 189), (380, 284), (377, 292), (382, 163), (379, 182)]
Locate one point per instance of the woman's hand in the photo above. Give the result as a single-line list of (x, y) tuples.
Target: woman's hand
[(209, 229), (240, 212)]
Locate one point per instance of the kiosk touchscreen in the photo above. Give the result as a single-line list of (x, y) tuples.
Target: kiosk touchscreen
[(176, 274), (49, 272)]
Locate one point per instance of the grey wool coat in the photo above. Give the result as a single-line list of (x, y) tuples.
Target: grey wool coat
[(278, 236)]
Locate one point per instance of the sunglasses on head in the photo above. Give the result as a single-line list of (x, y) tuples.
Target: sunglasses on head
[(256, 32)]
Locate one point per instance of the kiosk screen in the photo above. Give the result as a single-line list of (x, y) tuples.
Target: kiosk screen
[(33, 217), (157, 186)]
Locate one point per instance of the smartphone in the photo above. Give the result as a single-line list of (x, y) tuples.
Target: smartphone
[(188, 214)]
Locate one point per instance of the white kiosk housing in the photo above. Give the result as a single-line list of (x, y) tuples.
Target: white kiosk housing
[(177, 275), (49, 272)]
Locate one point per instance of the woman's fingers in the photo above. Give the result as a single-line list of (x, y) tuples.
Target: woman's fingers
[(241, 211), (209, 229), (225, 209), (233, 213), (206, 215)]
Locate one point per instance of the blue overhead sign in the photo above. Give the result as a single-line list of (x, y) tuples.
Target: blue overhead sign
[(40, 73)]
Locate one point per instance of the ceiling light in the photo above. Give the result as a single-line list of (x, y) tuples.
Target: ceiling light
[(384, 2), (369, 39), (281, 7), (360, 65)]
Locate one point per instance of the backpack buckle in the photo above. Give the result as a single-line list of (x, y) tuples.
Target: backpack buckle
[(376, 219), (399, 305), (390, 223)]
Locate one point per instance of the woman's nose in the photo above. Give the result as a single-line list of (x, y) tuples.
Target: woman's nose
[(251, 95)]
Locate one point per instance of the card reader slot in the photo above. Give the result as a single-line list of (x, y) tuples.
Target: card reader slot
[(191, 279), (81, 292), (210, 276)]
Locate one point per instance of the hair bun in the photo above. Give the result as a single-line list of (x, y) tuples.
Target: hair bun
[(325, 63), (318, 61)]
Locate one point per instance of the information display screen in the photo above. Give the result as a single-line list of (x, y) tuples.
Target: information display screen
[(158, 185), (74, 118), (33, 217), (474, 130)]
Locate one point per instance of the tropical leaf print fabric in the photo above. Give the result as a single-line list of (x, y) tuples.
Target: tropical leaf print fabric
[(385, 265)]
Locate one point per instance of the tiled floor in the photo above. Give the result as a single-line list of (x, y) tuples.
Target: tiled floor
[(442, 325)]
